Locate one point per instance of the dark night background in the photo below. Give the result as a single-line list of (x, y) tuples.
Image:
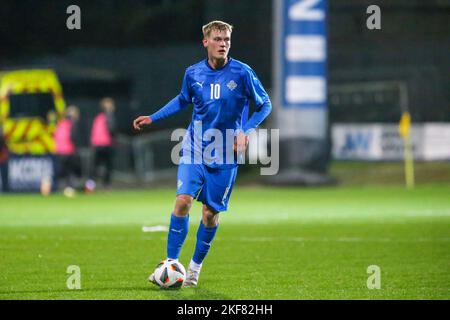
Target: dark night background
[(136, 51)]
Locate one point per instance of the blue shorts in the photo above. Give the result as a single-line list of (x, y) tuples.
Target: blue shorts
[(210, 186)]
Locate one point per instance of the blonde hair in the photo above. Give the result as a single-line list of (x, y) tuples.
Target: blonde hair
[(216, 25)]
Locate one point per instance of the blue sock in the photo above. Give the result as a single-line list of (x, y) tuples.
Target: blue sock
[(204, 238), (178, 231)]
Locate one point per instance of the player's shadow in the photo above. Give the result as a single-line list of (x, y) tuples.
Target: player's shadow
[(199, 293), (171, 294), (143, 288)]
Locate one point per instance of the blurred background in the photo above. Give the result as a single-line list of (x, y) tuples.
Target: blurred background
[(136, 52)]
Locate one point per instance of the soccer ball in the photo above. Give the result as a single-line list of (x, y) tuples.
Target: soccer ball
[(170, 274)]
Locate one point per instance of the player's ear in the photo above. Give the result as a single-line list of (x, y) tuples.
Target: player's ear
[(205, 42)]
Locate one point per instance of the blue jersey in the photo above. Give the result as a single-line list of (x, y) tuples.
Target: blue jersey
[(220, 99)]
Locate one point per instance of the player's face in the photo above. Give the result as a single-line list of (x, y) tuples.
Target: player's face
[(218, 44)]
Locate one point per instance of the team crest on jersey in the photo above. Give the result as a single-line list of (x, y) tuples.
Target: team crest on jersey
[(232, 85)]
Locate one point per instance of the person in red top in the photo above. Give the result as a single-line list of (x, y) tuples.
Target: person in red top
[(102, 140), (66, 141)]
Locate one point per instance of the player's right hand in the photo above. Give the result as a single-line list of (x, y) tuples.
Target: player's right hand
[(141, 121)]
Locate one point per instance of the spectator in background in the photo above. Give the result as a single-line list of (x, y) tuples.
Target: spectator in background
[(67, 138), (102, 140)]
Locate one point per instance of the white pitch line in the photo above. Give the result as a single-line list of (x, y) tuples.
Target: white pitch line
[(155, 229)]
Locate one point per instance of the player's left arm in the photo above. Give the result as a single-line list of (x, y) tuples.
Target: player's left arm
[(257, 93)]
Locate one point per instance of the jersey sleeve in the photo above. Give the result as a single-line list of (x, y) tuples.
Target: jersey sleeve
[(185, 93), (175, 105), (257, 93)]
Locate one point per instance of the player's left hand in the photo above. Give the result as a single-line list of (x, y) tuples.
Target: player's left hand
[(241, 142)]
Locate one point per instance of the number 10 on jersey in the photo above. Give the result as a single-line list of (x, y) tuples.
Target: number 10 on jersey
[(215, 91)]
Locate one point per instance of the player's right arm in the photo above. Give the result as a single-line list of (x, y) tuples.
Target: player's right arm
[(175, 105), (141, 121)]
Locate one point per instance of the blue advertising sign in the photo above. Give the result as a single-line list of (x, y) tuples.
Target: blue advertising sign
[(28, 173), (303, 54)]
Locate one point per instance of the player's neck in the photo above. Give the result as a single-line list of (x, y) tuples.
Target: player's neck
[(217, 63)]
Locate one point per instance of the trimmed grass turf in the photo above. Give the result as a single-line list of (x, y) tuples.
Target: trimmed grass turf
[(274, 243)]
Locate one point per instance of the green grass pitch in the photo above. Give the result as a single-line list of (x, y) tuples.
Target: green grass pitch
[(273, 243)]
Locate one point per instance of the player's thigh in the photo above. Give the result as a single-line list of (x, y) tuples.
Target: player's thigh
[(218, 187), (190, 179)]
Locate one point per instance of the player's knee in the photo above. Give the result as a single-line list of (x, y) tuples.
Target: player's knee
[(183, 204), (210, 218)]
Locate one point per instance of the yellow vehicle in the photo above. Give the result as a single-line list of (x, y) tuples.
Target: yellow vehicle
[(31, 102)]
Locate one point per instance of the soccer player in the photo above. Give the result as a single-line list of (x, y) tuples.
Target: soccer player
[(219, 88)]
